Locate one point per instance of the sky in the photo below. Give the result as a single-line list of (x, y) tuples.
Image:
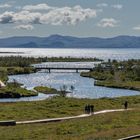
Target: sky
[(81, 18)]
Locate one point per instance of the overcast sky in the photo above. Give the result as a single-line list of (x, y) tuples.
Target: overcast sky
[(99, 18)]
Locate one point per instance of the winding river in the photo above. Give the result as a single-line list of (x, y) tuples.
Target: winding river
[(84, 87)]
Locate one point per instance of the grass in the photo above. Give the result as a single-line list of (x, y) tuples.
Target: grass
[(13, 90), (99, 127), (132, 85), (60, 107), (46, 90)]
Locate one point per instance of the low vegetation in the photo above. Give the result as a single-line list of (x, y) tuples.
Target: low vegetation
[(124, 74), (13, 90), (72, 59), (104, 126), (46, 90)]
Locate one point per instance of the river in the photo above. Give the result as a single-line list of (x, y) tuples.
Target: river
[(84, 87)]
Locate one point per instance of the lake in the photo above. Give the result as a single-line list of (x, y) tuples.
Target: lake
[(119, 54)]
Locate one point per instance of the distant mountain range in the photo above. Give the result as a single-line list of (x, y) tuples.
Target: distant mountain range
[(58, 41)]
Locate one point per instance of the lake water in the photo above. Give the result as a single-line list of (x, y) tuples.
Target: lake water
[(119, 54), (84, 87)]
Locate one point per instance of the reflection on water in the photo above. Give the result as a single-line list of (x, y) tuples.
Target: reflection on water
[(34, 98), (84, 87), (119, 54)]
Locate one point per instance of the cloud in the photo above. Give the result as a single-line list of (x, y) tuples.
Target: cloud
[(117, 6), (42, 6), (53, 16), (67, 15), (102, 5), (20, 17), (108, 22), (137, 28), (24, 27), (5, 5), (6, 17)]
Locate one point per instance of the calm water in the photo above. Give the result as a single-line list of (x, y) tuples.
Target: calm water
[(119, 54), (34, 98), (84, 87)]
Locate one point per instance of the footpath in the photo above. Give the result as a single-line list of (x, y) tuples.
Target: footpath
[(69, 118)]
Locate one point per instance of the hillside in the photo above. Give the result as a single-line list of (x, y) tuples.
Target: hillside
[(58, 41)]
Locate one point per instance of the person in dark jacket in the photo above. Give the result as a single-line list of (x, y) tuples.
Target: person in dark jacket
[(91, 109), (86, 109), (126, 105)]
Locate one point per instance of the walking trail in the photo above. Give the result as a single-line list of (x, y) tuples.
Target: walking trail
[(69, 118)]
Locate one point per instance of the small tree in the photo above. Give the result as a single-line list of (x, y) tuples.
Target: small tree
[(63, 91)]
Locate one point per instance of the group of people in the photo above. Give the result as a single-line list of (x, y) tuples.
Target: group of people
[(89, 109)]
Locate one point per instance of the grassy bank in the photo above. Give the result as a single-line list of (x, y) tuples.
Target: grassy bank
[(46, 90), (105, 126), (13, 90), (125, 74), (131, 85)]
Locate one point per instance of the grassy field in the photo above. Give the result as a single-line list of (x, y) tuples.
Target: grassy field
[(100, 127), (59, 107)]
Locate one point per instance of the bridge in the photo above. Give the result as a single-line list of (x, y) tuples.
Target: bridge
[(49, 68)]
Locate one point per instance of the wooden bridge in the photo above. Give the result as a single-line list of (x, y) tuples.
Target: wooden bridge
[(49, 68)]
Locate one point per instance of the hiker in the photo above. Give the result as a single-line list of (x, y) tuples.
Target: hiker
[(125, 104), (91, 109), (86, 109)]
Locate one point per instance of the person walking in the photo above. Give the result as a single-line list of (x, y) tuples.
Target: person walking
[(91, 109), (86, 109), (126, 105)]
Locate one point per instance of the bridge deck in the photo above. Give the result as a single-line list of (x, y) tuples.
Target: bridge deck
[(64, 68), (49, 68)]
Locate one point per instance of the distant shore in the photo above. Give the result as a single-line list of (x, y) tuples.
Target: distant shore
[(13, 52)]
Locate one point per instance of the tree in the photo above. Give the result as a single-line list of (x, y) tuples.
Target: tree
[(63, 92)]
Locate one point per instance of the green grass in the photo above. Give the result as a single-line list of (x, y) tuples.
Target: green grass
[(46, 90), (98, 127), (13, 90), (60, 107), (132, 85)]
